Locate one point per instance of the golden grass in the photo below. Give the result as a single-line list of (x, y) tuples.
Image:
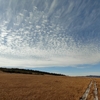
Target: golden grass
[(98, 86), (41, 87)]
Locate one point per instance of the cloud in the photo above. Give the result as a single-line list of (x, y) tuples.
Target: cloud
[(57, 33)]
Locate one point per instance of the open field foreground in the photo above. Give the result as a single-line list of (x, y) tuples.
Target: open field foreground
[(42, 87), (98, 86)]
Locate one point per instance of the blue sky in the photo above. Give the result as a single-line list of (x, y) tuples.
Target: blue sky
[(73, 71), (51, 35)]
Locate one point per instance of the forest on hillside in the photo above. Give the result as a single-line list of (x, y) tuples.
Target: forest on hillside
[(28, 71)]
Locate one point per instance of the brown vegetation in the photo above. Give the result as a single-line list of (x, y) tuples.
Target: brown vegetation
[(98, 86), (41, 87)]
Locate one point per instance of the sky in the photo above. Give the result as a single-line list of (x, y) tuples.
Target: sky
[(61, 36)]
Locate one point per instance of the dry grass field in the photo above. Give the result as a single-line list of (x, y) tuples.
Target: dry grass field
[(98, 86), (42, 87)]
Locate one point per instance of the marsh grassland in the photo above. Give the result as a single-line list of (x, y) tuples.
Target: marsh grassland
[(42, 87), (98, 87)]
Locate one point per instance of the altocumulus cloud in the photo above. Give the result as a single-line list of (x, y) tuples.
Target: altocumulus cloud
[(44, 33)]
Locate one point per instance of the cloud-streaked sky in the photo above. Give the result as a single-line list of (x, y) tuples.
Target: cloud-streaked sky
[(50, 34)]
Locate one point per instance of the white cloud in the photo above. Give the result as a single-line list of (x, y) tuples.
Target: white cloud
[(35, 40), (53, 4)]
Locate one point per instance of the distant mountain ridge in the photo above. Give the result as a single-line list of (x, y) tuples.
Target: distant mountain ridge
[(95, 76), (27, 71)]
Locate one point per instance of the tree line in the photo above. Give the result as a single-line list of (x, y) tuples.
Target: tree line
[(28, 71)]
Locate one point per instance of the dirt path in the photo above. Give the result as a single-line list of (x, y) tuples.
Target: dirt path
[(94, 92), (84, 97)]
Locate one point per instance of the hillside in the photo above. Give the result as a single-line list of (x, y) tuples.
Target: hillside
[(27, 71)]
